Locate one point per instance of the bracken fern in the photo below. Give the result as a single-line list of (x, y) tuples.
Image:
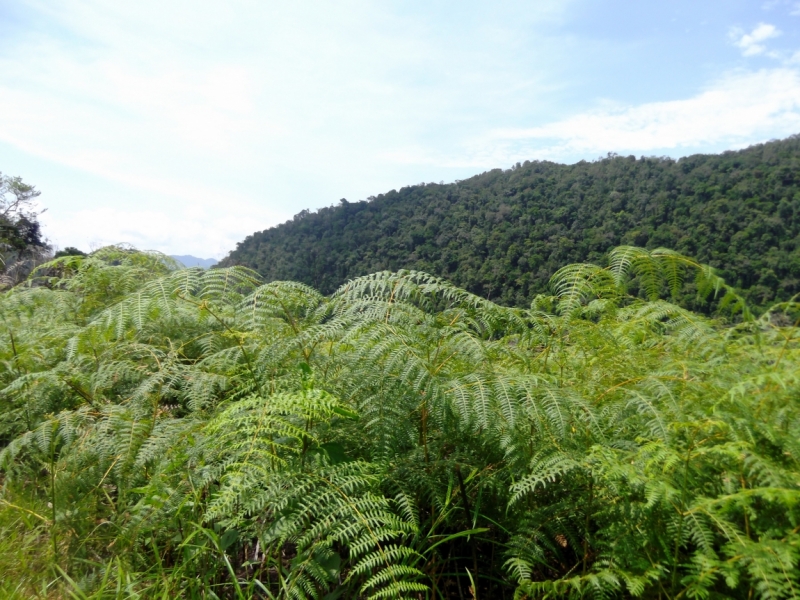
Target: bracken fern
[(175, 432)]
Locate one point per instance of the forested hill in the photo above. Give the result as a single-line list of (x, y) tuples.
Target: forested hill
[(502, 234)]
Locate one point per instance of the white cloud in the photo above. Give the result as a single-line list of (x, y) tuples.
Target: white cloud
[(751, 43), (199, 232), (737, 110)]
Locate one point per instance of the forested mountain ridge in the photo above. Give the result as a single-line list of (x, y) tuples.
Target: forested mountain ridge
[(502, 234)]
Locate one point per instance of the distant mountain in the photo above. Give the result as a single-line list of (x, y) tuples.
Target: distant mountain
[(192, 261), (503, 233)]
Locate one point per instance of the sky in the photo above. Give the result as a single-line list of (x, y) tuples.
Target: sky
[(184, 126)]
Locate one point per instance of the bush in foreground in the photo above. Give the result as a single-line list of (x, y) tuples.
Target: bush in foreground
[(177, 432)]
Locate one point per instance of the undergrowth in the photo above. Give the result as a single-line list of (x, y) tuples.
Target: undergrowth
[(172, 432)]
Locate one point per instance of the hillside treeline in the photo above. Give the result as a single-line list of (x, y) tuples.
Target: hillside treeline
[(502, 234), (181, 433)]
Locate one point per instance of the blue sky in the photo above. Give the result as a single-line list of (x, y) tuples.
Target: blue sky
[(185, 126)]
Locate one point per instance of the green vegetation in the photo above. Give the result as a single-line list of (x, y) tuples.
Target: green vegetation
[(501, 235), (21, 244), (201, 434), (69, 251)]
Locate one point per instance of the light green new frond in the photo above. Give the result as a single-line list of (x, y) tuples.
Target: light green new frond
[(285, 300), (398, 580), (673, 267), (228, 284), (50, 436), (544, 470), (574, 285), (621, 262), (255, 436)]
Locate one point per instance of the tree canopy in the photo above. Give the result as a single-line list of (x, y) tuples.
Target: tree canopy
[(502, 234), (21, 240)]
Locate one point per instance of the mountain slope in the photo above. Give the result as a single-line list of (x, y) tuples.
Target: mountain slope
[(502, 234)]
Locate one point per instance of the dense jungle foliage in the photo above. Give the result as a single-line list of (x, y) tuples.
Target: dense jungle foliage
[(172, 432), (502, 234)]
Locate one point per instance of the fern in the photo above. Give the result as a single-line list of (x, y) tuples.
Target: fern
[(179, 431)]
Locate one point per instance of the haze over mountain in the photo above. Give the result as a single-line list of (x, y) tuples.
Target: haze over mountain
[(193, 261), (502, 234)]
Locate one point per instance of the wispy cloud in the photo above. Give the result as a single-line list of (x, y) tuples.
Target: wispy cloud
[(734, 111), (262, 108), (751, 43), (189, 131), (199, 231), (793, 6)]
